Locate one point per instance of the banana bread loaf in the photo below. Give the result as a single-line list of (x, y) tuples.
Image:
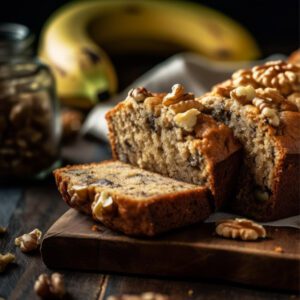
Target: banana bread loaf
[(132, 200), (261, 105), (171, 135)]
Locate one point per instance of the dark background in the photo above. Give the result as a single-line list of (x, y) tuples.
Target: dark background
[(274, 24)]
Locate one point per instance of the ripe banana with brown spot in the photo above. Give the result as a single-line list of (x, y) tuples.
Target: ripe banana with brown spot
[(73, 39)]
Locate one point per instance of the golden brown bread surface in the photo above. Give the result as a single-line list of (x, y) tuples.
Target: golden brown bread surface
[(261, 105), (171, 135), (132, 200)]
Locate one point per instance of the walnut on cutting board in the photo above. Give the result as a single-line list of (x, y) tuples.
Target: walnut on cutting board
[(243, 229)]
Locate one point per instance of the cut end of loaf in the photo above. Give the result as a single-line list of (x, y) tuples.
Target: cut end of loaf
[(261, 106), (170, 134)]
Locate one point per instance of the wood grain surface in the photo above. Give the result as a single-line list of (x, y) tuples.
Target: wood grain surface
[(192, 252)]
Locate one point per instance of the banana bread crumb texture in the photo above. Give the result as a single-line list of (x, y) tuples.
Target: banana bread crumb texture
[(132, 200), (172, 135), (261, 105)]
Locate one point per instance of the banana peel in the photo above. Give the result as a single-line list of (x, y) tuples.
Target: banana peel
[(73, 40)]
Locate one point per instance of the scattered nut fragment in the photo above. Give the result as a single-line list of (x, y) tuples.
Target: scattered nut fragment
[(278, 249), (29, 241), (190, 292), (52, 287), (187, 120), (2, 229), (243, 94), (6, 259), (240, 229), (144, 296), (103, 203), (139, 94)]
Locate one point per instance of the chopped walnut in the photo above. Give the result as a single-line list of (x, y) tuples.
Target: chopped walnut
[(185, 106), (29, 241), (153, 105), (6, 259), (243, 94), (187, 120), (102, 204), (79, 194), (177, 95), (272, 116), (50, 287), (139, 94), (240, 229)]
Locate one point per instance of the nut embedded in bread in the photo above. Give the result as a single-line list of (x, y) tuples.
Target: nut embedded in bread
[(261, 105), (171, 134), (132, 200)]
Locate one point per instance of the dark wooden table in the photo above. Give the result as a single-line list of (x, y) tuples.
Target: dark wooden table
[(37, 205)]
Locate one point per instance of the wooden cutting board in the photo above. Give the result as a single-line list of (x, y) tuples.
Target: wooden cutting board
[(192, 252)]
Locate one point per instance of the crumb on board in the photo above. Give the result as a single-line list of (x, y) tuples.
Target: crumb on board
[(190, 292), (278, 249), (96, 228)]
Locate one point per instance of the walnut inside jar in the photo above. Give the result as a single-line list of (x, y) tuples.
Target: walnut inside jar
[(29, 128)]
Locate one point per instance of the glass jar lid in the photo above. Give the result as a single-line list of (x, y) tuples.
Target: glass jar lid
[(15, 40)]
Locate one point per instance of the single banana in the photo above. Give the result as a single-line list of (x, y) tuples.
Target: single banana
[(72, 40)]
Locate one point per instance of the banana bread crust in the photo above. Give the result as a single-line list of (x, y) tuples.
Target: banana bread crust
[(153, 216)]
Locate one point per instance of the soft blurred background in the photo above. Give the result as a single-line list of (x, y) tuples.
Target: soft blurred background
[(274, 25), (79, 55)]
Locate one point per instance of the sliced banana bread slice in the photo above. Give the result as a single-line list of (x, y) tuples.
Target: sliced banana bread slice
[(132, 200), (261, 105), (171, 135)]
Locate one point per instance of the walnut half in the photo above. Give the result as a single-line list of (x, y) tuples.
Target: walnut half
[(243, 229), (50, 287)]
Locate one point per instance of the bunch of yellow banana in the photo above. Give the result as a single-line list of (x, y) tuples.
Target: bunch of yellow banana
[(73, 39)]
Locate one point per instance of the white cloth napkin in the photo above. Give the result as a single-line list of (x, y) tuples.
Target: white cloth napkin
[(198, 75)]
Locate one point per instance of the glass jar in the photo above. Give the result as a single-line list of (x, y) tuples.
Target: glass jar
[(30, 128)]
